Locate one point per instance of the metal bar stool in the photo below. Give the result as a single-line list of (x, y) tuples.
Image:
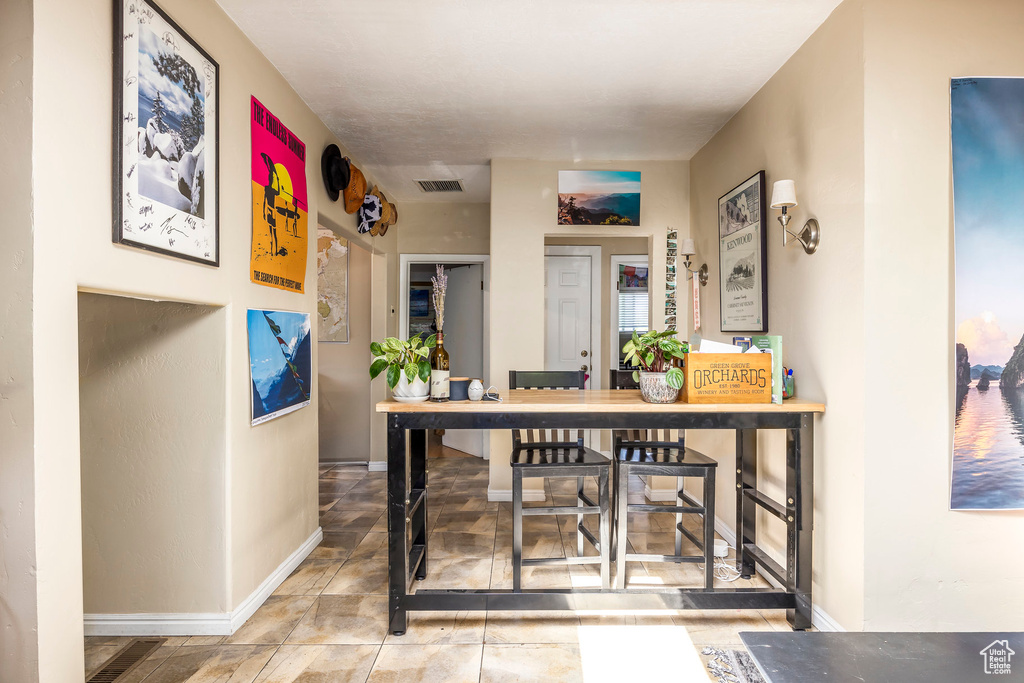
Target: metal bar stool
[(655, 453), (550, 454)]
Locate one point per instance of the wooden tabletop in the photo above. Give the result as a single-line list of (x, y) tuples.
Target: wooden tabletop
[(594, 401)]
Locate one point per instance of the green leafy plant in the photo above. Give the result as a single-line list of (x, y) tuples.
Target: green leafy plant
[(654, 351), (397, 357)]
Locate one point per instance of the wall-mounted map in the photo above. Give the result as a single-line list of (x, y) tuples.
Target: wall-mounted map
[(331, 286)]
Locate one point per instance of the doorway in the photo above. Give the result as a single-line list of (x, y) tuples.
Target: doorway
[(572, 310), (465, 322)]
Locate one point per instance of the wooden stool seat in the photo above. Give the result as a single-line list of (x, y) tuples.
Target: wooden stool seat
[(641, 453), (554, 454)]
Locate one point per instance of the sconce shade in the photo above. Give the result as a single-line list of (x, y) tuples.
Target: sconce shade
[(783, 194), (687, 248)]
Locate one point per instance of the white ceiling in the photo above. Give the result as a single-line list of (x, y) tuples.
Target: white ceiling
[(419, 89)]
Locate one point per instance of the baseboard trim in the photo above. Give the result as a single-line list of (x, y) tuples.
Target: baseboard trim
[(666, 496), (343, 463), (374, 466), (200, 624), (505, 496)]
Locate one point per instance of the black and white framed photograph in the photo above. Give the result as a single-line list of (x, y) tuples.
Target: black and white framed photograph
[(165, 137), (743, 256)]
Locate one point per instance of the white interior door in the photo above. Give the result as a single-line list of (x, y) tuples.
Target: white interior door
[(464, 341), (568, 299)]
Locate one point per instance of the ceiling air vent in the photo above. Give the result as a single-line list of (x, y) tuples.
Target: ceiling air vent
[(440, 185)]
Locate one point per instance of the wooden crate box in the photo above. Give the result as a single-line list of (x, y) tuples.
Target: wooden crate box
[(727, 378)]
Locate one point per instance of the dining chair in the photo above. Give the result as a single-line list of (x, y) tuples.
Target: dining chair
[(553, 453), (662, 453)]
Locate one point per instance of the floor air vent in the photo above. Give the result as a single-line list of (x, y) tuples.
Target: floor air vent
[(441, 185), (126, 659)]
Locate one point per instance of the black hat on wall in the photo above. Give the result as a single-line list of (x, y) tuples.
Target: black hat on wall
[(337, 171)]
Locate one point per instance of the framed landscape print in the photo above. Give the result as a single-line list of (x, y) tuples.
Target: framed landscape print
[(599, 197), (743, 257), (165, 137)]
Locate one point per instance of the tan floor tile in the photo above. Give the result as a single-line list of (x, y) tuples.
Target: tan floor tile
[(328, 501), (441, 627), (273, 621), (533, 662), (373, 546), (471, 522), (532, 627), (356, 472), (350, 520), (180, 665), (381, 526), (359, 576), (233, 664), (543, 576), (457, 573), (149, 665), (343, 620), (459, 544), (427, 664), (309, 578), (362, 501), (204, 641), (319, 664), (97, 655), (337, 545)]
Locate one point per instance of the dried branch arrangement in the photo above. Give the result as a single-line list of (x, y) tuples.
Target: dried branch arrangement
[(440, 287)]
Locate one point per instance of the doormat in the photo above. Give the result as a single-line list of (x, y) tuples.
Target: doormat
[(731, 666)]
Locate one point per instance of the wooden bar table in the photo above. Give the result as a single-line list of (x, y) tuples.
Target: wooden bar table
[(605, 409)]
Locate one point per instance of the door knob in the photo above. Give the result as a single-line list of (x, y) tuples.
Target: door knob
[(584, 368), (583, 353)]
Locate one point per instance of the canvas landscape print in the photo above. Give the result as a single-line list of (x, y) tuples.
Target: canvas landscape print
[(988, 181), (167, 185), (280, 362), (599, 198)]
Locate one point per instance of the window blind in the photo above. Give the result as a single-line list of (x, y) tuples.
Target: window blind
[(633, 311)]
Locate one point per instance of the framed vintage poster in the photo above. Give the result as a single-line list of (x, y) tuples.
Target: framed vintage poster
[(743, 256), (165, 137), (279, 208)]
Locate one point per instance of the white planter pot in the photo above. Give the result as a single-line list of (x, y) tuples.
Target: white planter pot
[(654, 388), (416, 392)]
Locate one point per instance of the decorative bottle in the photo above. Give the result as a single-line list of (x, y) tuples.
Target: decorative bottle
[(439, 371)]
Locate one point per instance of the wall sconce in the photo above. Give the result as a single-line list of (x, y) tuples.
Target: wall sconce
[(686, 251), (784, 197)]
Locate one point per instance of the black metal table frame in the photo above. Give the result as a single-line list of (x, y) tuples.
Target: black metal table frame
[(408, 499)]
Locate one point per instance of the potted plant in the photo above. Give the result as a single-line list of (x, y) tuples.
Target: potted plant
[(406, 365), (654, 353)]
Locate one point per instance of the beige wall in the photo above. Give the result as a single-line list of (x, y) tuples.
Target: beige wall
[(19, 655), (806, 123), (444, 228), (342, 373), (270, 505), (151, 386), (523, 214), (927, 568)]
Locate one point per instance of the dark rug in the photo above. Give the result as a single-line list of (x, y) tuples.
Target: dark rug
[(731, 666)]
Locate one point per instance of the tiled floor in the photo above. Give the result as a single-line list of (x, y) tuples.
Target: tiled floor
[(328, 621)]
